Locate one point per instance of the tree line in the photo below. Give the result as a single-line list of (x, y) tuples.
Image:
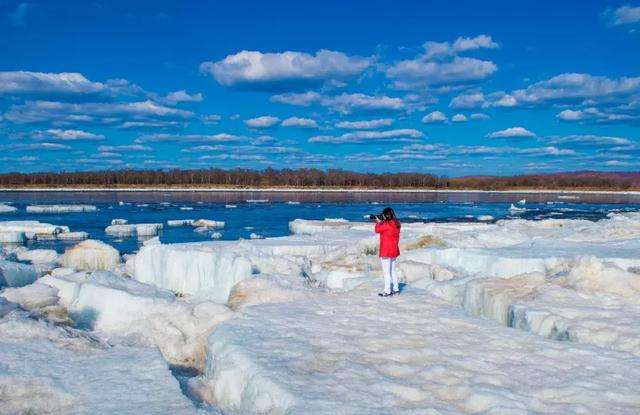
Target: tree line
[(302, 178)]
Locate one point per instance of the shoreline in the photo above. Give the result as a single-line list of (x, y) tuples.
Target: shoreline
[(317, 190)]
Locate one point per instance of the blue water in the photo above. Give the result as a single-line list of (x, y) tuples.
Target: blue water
[(272, 218)]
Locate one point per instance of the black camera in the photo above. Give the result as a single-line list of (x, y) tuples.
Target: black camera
[(374, 217)]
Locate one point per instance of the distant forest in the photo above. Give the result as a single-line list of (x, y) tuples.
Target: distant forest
[(301, 178)]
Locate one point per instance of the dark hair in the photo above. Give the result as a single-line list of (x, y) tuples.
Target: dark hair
[(388, 214)]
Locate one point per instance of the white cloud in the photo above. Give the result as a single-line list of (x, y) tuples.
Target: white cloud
[(461, 44), (104, 113), (459, 118), (300, 122), (419, 73), (24, 82), (177, 97), (62, 83), (125, 147), (67, 135), (468, 100), (36, 146), (211, 119), (302, 99), (285, 69), (591, 140), (188, 138), (626, 15), (594, 114), (576, 87), (266, 121), (366, 136), (433, 117), (365, 125), (344, 103), (512, 132), (479, 116)]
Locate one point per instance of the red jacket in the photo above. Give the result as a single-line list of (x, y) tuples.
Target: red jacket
[(389, 231)]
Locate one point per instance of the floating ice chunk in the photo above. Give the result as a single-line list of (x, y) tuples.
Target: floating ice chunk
[(12, 237), (207, 269), (216, 235), (69, 372), (522, 202), (130, 312), (60, 208), (485, 218), (148, 229), (257, 200), (207, 223), (120, 230), (255, 236), (38, 256), (72, 236), (15, 274), (32, 228), (7, 209), (91, 255), (292, 202), (230, 206), (186, 208), (515, 210), (310, 227), (119, 221), (180, 222)]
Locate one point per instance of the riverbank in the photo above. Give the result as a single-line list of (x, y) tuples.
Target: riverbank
[(315, 190)]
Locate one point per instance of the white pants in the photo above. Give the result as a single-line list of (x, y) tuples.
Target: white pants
[(389, 272)]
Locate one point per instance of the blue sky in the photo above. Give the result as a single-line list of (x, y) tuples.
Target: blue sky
[(450, 88)]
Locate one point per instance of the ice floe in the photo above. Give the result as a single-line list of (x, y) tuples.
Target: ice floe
[(7, 208), (60, 208)]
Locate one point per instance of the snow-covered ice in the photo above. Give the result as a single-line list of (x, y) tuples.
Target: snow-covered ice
[(60, 208), (180, 222), (38, 256), (72, 236), (129, 312), (412, 354), (91, 255), (15, 274), (32, 228), (12, 237), (48, 369)]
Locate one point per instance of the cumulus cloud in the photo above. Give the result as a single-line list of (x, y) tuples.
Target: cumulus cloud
[(595, 115), (257, 70), (479, 116), (46, 146), (299, 122), (66, 135), (344, 103), (440, 64), (513, 132), (358, 137), (188, 138), (434, 117), (365, 125), (459, 118), (103, 113), (576, 87), (479, 100), (266, 121), (176, 97)]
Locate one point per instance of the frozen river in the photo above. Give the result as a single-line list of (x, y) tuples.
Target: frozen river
[(510, 304)]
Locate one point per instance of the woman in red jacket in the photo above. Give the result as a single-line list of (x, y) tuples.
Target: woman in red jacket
[(389, 229)]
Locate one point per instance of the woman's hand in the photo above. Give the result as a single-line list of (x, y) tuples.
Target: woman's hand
[(377, 220)]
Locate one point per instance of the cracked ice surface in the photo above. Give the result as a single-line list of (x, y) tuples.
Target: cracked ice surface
[(47, 369), (415, 354)]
